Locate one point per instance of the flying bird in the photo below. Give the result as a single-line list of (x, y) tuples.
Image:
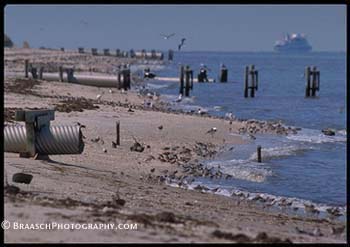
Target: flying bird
[(182, 43), (167, 36), (84, 22)]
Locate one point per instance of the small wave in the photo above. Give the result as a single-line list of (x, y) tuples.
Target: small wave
[(156, 86), (316, 136), (271, 200), (242, 169), (273, 152)]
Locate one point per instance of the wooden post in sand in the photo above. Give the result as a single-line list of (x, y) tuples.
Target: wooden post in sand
[(252, 84), (34, 73), (118, 133), (41, 71), (187, 81), (94, 51), (258, 152), (246, 80), (106, 52), (307, 77), (60, 73), (26, 68), (181, 91)]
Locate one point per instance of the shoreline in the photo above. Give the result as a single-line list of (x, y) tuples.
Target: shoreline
[(91, 179)]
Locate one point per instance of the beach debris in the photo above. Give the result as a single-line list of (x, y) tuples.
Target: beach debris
[(10, 189), (110, 91), (334, 211), (310, 208), (137, 147), (328, 132), (114, 144), (212, 130), (152, 170), (104, 150), (98, 97), (22, 178), (130, 110), (338, 230), (97, 139), (160, 127)]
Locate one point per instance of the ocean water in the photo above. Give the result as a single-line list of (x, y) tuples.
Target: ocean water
[(309, 165)]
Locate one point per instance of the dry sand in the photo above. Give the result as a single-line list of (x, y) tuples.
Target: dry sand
[(92, 187)]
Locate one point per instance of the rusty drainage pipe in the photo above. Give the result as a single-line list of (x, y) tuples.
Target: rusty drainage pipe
[(49, 140)]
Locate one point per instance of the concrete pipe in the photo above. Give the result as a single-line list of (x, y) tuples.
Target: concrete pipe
[(49, 140)]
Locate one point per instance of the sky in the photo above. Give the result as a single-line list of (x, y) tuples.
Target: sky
[(205, 27)]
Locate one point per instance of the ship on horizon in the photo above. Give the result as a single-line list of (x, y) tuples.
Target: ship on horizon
[(293, 43)]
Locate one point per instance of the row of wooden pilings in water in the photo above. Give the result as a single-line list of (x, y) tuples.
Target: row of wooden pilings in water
[(251, 80), (153, 54)]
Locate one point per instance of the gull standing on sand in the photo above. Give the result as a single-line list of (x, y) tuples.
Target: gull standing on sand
[(181, 44)]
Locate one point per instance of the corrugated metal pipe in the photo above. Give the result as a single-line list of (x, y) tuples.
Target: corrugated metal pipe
[(49, 140)]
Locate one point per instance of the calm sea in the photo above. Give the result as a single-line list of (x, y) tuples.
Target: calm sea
[(309, 165)]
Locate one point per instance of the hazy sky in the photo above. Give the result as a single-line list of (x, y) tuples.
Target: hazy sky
[(206, 27)]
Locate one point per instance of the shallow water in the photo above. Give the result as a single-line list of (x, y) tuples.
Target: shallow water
[(309, 165)]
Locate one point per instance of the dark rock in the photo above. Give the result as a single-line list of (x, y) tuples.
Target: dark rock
[(137, 147), (22, 178), (328, 132)]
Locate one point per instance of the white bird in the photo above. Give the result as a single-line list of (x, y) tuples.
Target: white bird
[(179, 98), (167, 36)]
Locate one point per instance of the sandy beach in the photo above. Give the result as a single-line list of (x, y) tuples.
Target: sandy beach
[(109, 185)]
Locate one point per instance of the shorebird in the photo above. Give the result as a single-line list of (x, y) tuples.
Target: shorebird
[(179, 98), (181, 44), (167, 36)]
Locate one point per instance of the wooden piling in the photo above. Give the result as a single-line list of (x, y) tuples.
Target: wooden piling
[(314, 82), (106, 52), (94, 51), (223, 75), (187, 81), (252, 84), (170, 55), (26, 68), (41, 71), (246, 78), (318, 80), (181, 91), (34, 73), (307, 78), (258, 152), (256, 80), (60, 73), (118, 133)]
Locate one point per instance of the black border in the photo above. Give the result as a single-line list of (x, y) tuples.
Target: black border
[(181, 2)]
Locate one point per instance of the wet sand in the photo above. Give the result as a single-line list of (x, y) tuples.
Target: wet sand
[(125, 186)]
